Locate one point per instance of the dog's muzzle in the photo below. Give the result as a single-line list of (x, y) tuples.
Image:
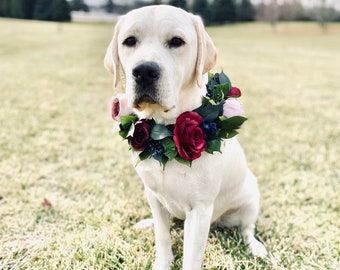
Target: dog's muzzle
[(146, 76)]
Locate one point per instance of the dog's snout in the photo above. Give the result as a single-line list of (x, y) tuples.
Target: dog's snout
[(146, 73)]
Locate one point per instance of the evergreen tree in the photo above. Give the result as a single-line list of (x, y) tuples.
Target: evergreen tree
[(4, 8), (246, 11), (52, 10), (202, 8), (28, 8), (16, 9), (60, 11), (223, 11), (78, 5), (109, 6), (179, 3)]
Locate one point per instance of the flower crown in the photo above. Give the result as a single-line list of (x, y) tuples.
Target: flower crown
[(194, 132)]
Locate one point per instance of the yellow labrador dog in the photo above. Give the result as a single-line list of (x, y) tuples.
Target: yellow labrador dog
[(164, 53)]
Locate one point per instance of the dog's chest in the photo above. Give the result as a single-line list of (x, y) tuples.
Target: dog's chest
[(178, 187)]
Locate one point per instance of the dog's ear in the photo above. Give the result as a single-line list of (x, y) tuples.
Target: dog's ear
[(207, 53), (111, 60)]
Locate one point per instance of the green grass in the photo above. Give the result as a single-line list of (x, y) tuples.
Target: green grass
[(56, 143)]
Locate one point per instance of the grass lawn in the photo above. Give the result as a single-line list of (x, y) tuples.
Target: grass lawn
[(56, 144)]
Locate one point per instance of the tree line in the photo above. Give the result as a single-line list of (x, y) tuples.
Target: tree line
[(212, 11), (46, 10)]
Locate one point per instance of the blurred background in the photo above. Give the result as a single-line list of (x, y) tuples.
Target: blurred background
[(212, 11)]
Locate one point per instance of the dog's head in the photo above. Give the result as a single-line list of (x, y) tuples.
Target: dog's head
[(164, 53)]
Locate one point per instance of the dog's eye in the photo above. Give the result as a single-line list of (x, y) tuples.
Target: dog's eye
[(176, 42), (130, 42)]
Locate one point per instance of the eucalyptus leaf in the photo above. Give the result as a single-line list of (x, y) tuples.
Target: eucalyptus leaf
[(160, 132), (224, 79)]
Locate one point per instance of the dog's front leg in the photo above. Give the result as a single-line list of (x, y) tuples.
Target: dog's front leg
[(161, 220), (196, 230)]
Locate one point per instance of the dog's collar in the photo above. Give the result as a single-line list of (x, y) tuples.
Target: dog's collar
[(193, 133)]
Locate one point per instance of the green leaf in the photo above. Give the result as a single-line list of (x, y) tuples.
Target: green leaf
[(224, 79), (214, 145), (223, 90), (231, 123), (144, 154), (170, 150), (164, 161), (227, 134), (210, 112), (232, 134), (126, 122), (183, 161), (160, 132)]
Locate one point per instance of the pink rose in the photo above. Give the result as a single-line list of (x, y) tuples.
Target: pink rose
[(234, 92), (119, 106), (189, 136), (232, 107)]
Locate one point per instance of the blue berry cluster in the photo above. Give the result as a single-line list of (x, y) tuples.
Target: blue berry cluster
[(210, 129), (156, 148)]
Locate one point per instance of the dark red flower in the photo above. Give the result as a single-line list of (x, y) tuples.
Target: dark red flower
[(141, 135), (189, 136), (234, 92)]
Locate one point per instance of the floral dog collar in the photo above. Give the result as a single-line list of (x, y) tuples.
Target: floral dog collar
[(194, 132)]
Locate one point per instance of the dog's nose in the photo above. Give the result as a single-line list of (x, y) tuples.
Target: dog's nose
[(146, 73)]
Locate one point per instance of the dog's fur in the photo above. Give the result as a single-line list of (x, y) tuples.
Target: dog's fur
[(217, 188)]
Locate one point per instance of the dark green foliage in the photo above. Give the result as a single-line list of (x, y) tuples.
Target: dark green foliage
[(179, 3), (246, 11), (223, 11), (42, 10), (47, 10), (60, 11), (202, 8), (79, 5)]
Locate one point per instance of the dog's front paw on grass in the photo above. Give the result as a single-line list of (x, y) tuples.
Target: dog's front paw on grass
[(258, 249)]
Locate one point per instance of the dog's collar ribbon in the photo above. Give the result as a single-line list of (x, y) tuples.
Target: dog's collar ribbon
[(194, 132)]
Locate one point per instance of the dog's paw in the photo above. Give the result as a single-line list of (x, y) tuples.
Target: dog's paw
[(144, 224), (163, 263), (258, 249)]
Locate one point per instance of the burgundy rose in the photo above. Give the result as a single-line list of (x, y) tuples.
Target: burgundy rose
[(234, 92), (189, 136), (141, 135)]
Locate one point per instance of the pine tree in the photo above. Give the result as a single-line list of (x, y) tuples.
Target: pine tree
[(179, 3), (202, 8), (78, 5), (109, 6), (52, 10), (5, 8), (60, 11), (223, 11), (42, 10), (28, 8), (16, 9), (246, 11)]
